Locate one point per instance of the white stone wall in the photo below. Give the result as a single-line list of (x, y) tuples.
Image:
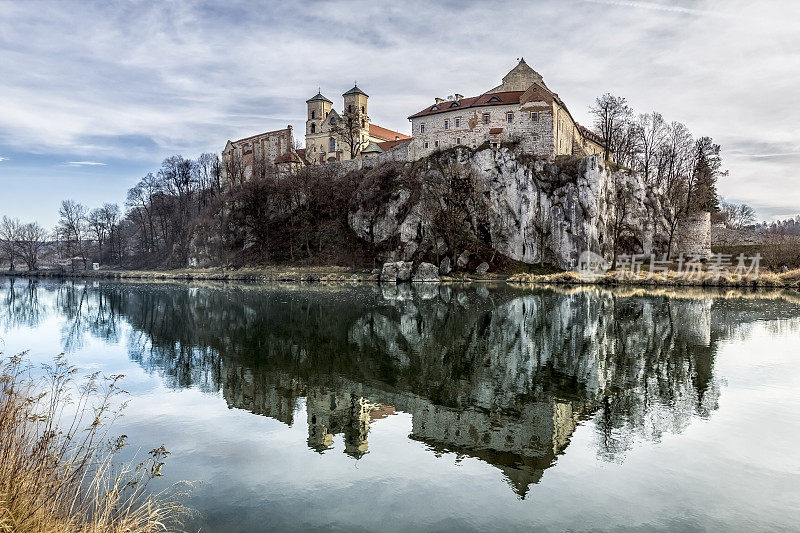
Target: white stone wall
[(536, 136)]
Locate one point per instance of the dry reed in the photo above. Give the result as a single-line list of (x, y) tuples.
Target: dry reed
[(58, 467)]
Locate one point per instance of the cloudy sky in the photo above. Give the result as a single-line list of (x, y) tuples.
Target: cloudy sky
[(95, 94)]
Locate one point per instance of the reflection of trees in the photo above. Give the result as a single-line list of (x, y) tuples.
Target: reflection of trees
[(86, 311), (20, 303), (501, 375)]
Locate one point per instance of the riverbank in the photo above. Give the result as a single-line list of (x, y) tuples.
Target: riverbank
[(784, 280), (272, 273)]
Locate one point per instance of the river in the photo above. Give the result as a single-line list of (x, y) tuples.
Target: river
[(444, 407)]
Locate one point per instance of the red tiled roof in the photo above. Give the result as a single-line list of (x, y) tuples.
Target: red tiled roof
[(494, 131), (504, 98), (288, 157), (385, 133), (388, 145)]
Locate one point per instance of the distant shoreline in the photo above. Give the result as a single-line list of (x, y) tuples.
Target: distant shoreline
[(785, 280)]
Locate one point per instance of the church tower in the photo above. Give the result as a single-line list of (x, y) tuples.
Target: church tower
[(318, 109), (355, 101), (317, 140)]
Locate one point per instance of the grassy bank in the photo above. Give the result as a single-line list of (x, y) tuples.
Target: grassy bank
[(275, 273), (786, 280), (57, 469)]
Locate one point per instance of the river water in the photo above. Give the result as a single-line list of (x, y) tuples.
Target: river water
[(444, 407)]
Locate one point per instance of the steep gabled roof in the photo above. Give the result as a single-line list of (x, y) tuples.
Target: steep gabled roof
[(318, 98), (288, 157), (372, 148), (355, 90), (486, 99), (385, 133), (388, 145)]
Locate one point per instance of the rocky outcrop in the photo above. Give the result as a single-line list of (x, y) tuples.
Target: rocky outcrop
[(530, 210), (396, 271), (426, 272)]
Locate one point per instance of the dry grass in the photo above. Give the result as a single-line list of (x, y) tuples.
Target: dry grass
[(790, 279), (57, 459)]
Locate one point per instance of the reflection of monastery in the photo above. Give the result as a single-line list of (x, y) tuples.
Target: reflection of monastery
[(516, 411)]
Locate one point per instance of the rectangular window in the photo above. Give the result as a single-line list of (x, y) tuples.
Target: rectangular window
[(447, 124), (458, 123), (486, 118), (426, 145), (436, 144), (422, 128), (458, 140), (510, 117), (534, 116)]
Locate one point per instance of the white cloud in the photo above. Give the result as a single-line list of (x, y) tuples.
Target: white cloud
[(3, 159), (84, 164), (140, 80)]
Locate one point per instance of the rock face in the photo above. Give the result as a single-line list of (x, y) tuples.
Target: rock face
[(530, 210), (444, 266), (482, 269), (396, 271), (426, 272)]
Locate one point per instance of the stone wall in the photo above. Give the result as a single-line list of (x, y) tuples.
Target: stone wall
[(693, 235), (721, 236), (536, 136)]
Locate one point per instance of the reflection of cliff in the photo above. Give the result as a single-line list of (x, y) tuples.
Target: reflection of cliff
[(499, 374)]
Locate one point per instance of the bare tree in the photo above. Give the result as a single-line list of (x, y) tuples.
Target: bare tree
[(32, 242), (611, 114), (9, 239), (737, 216), (650, 130), (72, 229), (347, 129)]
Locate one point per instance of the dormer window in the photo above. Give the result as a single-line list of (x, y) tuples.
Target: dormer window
[(493, 99), (434, 108), (454, 104)]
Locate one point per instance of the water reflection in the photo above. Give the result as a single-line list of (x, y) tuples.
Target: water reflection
[(495, 373)]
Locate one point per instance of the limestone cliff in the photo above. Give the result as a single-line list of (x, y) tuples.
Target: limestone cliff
[(531, 210)]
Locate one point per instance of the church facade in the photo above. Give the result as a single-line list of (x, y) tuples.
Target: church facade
[(332, 136)]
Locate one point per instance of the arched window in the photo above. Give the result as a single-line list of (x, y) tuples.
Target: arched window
[(331, 144), (313, 114), (313, 128)]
